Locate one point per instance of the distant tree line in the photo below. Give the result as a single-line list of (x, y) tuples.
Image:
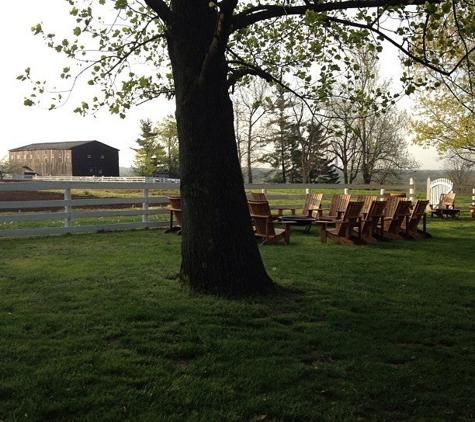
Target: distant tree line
[(357, 137), (358, 134)]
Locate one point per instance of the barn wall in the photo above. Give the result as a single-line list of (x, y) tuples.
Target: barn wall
[(47, 162), (95, 159)]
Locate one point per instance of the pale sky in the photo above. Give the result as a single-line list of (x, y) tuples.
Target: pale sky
[(22, 125)]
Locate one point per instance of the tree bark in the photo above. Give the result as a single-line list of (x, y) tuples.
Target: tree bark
[(220, 254)]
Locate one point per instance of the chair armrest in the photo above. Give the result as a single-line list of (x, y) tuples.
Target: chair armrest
[(261, 215), (311, 210), (281, 210)]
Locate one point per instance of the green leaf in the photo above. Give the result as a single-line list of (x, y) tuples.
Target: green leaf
[(120, 4), (37, 29), (310, 17), (410, 90), (446, 7), (77, 31)]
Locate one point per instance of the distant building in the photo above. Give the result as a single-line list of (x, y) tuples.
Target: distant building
[(81, 158)]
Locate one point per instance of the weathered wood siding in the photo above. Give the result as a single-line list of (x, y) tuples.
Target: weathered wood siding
[(48, 162)]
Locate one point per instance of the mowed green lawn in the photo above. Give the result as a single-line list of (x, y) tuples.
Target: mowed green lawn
[(95, 327)]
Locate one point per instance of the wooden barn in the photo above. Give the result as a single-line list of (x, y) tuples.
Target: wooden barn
[(81, 158)]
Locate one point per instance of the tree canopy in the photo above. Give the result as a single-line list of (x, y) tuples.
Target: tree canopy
[(445, 115), (442, 121), (120, 46)]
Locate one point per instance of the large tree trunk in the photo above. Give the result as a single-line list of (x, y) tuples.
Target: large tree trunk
[(219, 251)]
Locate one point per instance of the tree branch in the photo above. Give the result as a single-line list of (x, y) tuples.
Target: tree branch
[(400, 46), (263, 12), (247, 69), (161, 9), (219, 43)]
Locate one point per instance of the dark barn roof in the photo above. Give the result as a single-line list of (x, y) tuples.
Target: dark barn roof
[(56, 145)]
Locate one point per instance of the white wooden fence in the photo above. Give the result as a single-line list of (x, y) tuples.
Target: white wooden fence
[(134, 212), (74, 211)]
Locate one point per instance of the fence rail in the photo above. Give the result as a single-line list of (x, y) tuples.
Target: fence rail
[(144, 210), (70, 215), (125, 179)]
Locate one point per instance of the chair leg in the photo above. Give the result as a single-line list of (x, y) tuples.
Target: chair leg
[(287, 234), (323, 232)]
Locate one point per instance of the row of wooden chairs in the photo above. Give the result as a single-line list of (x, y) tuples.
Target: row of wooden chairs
[(362, 220), (313, 205), (349, 219), (391, 219)]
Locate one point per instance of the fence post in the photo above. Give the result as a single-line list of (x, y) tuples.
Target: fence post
[(472, 208), (345, 191), (428, 189), (145, 206), (411, 189), (67, 207), (381, 194)]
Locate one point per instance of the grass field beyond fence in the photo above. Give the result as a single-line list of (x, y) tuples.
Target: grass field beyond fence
[(95, 327)]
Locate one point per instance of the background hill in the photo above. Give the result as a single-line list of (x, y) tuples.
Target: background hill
[(260, 175)]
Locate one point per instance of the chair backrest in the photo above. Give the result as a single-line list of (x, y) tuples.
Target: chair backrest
[(391, 205), (417, 213), (395, 195), (338, 203), (350, 218), (313, 202), (353, 210), (447, 200), (367, 199), (374, 214), (175, 202), (436, 188), (261, 218), (258, 196), (401, 213)]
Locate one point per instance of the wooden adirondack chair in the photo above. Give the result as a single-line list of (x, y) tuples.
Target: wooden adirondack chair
[(338, 205), (418, 213), (264, 225), (438, 187), (313, 203), (367, 199), (393, 222), (261, 197), (258, 196), (391, 205), (344, 227), (373, 220), (445, 207), (175, 210)]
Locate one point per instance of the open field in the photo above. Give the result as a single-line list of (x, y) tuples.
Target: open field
[(96, 327)]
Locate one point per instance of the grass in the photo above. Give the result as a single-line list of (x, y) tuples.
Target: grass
[(96, 327)]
